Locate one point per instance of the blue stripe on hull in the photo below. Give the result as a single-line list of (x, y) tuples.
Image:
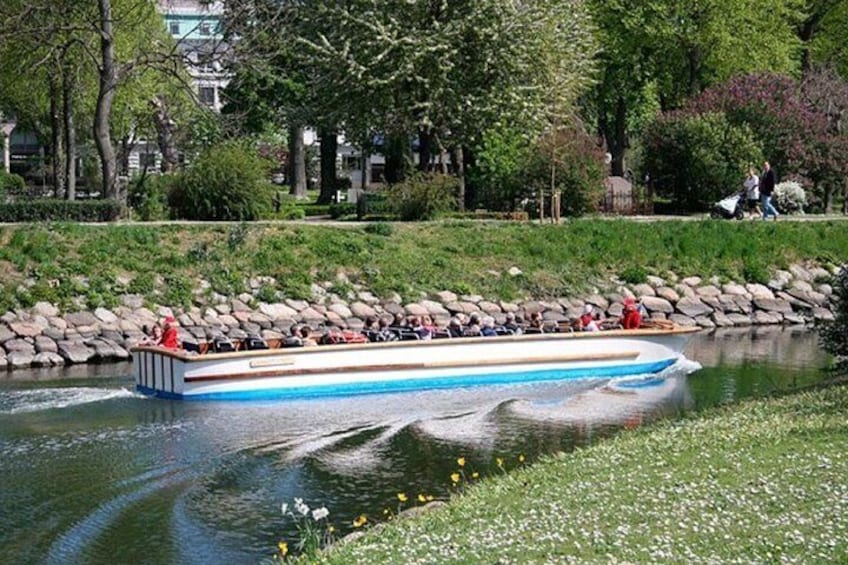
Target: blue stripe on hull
[(423, 383)]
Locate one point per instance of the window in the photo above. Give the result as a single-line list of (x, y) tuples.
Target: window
[(205, 29), (206, 94), (174, 27)]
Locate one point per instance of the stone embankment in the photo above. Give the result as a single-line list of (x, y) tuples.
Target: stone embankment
[(44, 336)]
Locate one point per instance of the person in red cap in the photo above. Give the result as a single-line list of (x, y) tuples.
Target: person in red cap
[(631, 319), (169, 334)]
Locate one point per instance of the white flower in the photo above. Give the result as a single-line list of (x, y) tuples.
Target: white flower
[(300, 506), (284, 508), (320, 513)]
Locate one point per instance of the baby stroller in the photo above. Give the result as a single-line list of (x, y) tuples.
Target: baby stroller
[(730, 207)]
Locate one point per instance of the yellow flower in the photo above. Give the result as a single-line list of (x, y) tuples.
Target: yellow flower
[(422, 498), (402, 496), (386, 511), (429, 498), (455, 477), (284, 548), (331, 528), (461, 461), (360, 521), (521, 459), (475, 475)]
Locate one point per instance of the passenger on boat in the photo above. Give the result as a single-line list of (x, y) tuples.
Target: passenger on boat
[(589, 320), (170, 339), (384, 333), (631, 318), (306, 337), (400, 320), (536, 324), (487, 328), (511, 324), (152, 335), (455, 327)]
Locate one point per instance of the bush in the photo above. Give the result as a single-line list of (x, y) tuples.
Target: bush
[(10, 184), (373, 204), (695, 160), (423, 196), (790, 197), (834, 335), (226, 182), (148, 197), (54, 210), (339, 209), (500, 168), (578, 166)]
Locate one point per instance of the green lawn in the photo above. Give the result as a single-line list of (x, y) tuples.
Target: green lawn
[(761, 482), (164, 262)]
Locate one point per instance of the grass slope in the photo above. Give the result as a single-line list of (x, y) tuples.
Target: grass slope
[(762, 482), (63, 261)]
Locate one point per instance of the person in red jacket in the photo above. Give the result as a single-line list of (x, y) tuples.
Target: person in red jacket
[(631, 319), (169, 334)]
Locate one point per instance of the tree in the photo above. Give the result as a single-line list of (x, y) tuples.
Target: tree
[(834, 335), (660, 53)]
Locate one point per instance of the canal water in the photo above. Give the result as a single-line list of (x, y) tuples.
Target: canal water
[(91, 472)]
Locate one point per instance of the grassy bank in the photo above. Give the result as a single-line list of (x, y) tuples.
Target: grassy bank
[(164, 263), (765, 481)]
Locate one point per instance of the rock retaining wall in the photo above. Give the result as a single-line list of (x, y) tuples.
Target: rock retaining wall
[(44, 336)]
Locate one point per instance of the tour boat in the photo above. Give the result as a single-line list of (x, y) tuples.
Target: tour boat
[(347, 369)]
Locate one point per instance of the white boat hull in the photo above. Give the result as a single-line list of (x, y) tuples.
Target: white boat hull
[(338, 370)]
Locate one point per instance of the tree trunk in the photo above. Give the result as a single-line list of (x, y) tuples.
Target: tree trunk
[(165, 134), (458, 163), (425, 149), (297, 162), (329, 149), (616, 137), (103, 109), (57, 152), (396, 150), (70, 136)]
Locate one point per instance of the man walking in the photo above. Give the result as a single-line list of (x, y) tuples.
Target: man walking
[(766, 191)]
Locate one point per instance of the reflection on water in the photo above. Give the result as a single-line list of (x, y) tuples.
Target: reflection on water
[(93, 472)]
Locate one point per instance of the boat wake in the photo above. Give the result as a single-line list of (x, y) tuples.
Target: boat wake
[(36, 400)]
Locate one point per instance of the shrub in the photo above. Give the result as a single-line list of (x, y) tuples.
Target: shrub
[(834, 335), (790, 197), (226, 182), (10, 184), (634, 275), (54, 210), (148, 197), (373, 204), (696, 160), (337, 210), (577, 164), (423, 196), (499, 171)]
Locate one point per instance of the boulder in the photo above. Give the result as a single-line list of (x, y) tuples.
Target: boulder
[(75, 319), (515, 272), (461, 307), (106, 349), (415, 310), (509, 307), (446, 296), (393, 307), (683, 321), (800, 273), (132, 300), (713, 302), (668, 293), (19, 359), (728, 303), (734, 289), (310, 315), (25, 329), (44, 344), (705, 322), (793, 318), (655, 281), (367, 298), (88, 331), (802, 286), (721, 320), (44, 309), (744, 304), (597, 300), (692, 281), (105, 316), (277, 311), (48, 359), (655, 304), (822, 314), (684, 290), (763, 318), (19, 344), (362, 310), (708, 290), (644, 290), (475, 298), (739, 320), (239, 305), (759, 291), (433, 308), (693, 307), (54, 334), (228, 321), (58, 323), (772, 305), (75, 351), (260, 320), (6, 334), (251, 328)]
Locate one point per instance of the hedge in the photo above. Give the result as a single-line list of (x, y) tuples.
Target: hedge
[(55, 210)]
